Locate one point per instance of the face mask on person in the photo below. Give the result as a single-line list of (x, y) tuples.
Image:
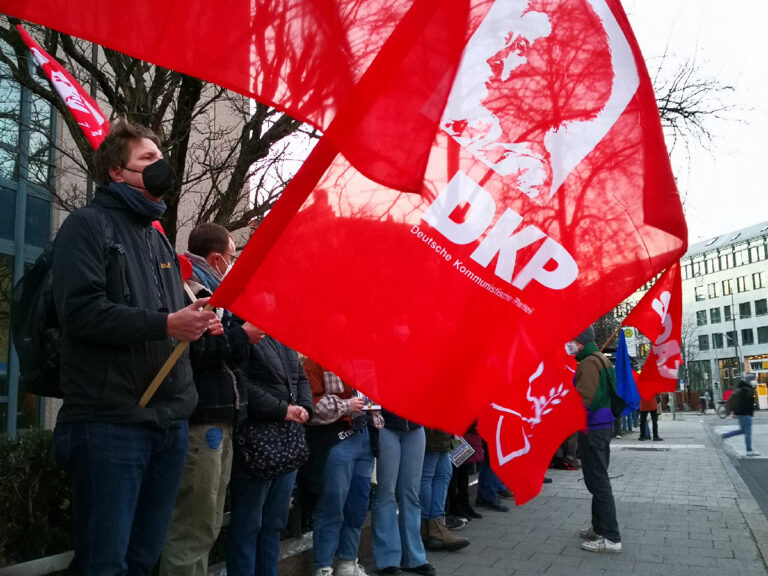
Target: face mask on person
[(229, 267), (571, 348), (157, 177)]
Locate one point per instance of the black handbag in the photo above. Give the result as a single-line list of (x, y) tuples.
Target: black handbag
[(266, 450)]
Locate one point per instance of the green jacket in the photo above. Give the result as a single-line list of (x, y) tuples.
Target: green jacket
[(592, 379)]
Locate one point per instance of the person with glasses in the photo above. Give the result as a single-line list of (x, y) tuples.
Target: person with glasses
[(222, 390)]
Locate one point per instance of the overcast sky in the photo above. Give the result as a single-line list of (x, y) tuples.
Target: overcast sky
[(724, 189)]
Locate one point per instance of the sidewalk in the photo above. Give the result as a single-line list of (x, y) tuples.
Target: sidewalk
[(682, 509)]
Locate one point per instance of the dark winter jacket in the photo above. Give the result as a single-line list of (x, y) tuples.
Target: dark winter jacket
[(113, 293), (218, 364), (743, 400), (437, 440), (275, 380), (394, 422)]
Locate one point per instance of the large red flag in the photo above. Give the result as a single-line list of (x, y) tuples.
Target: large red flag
[(548, 199), (381, 69), (659, 316), (525, 428), (86, 112)]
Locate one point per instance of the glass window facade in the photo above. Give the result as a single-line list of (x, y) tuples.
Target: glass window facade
[(745, 310), (26, 176), (704, 342)]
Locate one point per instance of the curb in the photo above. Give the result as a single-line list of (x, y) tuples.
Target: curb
[(748, 506)]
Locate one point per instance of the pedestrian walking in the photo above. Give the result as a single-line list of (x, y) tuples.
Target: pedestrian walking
[(743, 405)]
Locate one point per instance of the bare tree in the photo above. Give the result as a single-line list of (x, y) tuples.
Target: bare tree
[(225, 150)]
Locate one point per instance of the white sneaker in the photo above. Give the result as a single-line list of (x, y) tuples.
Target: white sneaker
[(752, 453), (588, 534), (349, 568), (324, 571), (602, 545)]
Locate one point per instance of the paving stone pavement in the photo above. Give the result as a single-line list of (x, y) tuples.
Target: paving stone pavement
[(682, 510)]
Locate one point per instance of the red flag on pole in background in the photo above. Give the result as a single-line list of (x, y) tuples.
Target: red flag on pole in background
[(659, 316), (541, 210), (525, 428), (386, 64), (91, 120)]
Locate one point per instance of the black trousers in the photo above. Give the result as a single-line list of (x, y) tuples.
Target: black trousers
[(654, 422), (595, 453)]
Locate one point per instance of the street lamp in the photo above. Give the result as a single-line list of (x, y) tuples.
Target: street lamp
[(735, 335)]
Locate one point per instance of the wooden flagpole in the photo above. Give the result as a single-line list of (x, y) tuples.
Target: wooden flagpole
[(166, 368), (611, 338)]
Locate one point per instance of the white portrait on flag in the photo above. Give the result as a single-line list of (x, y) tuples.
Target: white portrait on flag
[(541, 151)]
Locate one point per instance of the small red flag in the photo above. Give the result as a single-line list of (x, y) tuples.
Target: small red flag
[(91, 120), (381, 70), (659, 316)]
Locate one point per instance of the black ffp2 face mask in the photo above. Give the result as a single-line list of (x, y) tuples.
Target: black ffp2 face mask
[(157, 177)]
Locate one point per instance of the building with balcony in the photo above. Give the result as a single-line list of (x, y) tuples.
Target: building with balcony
[(725, 308)]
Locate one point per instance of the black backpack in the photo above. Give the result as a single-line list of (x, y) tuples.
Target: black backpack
[(35, 327)]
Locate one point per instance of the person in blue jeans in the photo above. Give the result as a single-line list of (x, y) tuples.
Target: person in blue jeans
[(340, 433), (278, 390), (743, 405), (120, 304), (489, 485), (396, 538), (435, 479)]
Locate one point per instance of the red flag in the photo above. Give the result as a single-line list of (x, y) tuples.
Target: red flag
[(381, 68), (91, 120), (526, 427), (548, 199), (659, 316)]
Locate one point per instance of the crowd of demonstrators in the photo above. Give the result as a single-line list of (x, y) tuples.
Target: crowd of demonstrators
[(593, 380), (239, 413), (741, 404)]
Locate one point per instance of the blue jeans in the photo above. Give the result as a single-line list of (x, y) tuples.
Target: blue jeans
[(595, 454), (435, 478), (343, 504), (397, 537), (745, 427), (259, 511), (124, 480), (488, 484)]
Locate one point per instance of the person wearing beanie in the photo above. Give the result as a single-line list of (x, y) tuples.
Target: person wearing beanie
[(593, 379)]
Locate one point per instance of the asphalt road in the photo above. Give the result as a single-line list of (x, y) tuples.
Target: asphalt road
[(754, 471)]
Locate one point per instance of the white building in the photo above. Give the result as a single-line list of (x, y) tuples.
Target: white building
[(725, 308)]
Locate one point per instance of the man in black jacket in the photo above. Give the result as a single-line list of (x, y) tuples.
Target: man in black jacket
[(223, 399), (119, 300), (742, 404)]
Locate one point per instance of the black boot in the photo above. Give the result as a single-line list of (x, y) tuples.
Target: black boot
[(469, 512)]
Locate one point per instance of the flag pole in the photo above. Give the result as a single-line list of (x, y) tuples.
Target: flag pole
[(610, 339), (166, 368)]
